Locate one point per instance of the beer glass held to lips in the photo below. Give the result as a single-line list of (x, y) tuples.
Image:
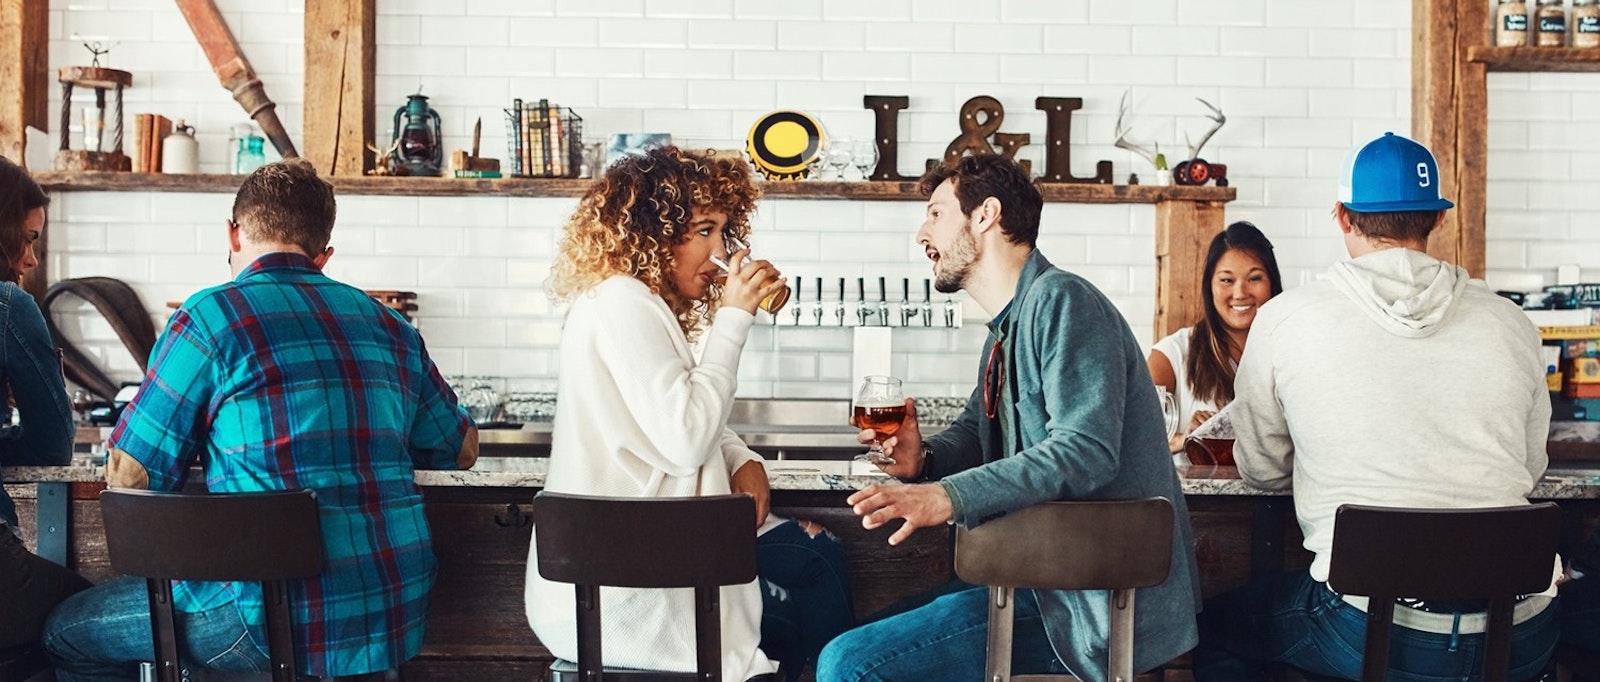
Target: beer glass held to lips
[(775, 300), (880, 405)]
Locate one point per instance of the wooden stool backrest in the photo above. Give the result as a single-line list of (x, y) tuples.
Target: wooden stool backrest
[(1116, 545), (1492, 554), (696, 542), (269, 537)]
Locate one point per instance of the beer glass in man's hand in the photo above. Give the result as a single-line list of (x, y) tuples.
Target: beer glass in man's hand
[(774, 301), (880, 406)]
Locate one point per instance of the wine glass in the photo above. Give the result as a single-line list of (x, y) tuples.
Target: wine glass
[(818, 164), (864, 153), (839, 156), (880, 405)]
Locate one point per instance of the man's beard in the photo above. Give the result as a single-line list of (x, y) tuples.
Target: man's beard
[(955, 265)]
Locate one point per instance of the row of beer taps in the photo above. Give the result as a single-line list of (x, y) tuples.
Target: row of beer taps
[(862, 311)]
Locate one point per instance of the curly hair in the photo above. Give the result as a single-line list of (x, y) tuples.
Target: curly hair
[(627, 220)]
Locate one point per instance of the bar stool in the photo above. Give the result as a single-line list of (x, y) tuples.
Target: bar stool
[(271, 537), (1490, 554), (1116, 545), (698, 542), (1576, 665), (21, 663)]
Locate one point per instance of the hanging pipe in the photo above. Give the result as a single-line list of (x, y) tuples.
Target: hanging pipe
[(228, 61)]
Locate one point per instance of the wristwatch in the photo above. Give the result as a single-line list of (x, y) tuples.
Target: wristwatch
[(927, 463)]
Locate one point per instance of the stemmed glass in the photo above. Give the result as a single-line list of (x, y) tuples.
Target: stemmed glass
[(880, 405), (839, 156), (864, 153), (818, 165)]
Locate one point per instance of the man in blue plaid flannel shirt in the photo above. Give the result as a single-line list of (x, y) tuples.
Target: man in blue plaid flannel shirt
[(284, 379)]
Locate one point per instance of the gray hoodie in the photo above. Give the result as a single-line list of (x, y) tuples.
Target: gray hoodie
[(1406, 292), (1397, 381)]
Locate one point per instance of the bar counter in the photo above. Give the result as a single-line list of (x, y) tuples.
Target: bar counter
[(481, 530), (1559, 483)]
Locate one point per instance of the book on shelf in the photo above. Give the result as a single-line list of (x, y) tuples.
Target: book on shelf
[(541, 139), (1566, 332), (463, 173)]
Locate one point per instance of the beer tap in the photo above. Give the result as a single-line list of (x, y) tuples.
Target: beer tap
[(861, 302), (799, 287), (838, 308), (949, 312), (816, 306), (927, 305), (883, 304), (906, 311)]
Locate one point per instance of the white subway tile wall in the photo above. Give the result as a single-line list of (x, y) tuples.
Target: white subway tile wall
[(1300, 81)]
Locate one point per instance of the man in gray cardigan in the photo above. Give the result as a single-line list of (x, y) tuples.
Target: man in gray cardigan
[(1064, 410)]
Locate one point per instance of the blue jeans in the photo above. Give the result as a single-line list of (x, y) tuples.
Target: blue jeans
[(805, 593), (943, 640), (1293, 619), (1580, 613), (103, 633)]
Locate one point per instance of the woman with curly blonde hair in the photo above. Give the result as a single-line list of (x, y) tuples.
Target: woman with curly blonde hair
[(639, 416)]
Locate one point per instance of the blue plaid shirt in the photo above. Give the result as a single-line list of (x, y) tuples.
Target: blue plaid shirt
[(285, 379)]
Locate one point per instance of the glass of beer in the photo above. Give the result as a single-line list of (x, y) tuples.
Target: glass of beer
[(775, 300), (880, 405)]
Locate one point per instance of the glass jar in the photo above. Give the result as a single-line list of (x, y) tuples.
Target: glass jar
[(1552, 24), (481, 401), (1586, 23), (1511, 24)]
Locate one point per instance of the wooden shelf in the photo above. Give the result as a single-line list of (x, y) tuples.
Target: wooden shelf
[(529, 187), (1536, 59)]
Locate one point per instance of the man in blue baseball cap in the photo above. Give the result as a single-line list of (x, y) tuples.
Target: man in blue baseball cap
[(1396, 381)]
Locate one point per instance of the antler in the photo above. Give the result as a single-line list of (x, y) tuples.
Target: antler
[(1194, 149), (1122, 133)]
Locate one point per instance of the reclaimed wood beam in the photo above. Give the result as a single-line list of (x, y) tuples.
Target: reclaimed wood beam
[(1184, 230), (1449, 114), (340, 39), (24, 74)]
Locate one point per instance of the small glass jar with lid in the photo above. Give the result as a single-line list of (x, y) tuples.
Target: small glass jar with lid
[(1585, 23), (1551, 18), (1511, 23)]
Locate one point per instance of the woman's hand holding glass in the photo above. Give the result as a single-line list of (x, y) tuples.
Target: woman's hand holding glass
[(749, 281), (745, 278)]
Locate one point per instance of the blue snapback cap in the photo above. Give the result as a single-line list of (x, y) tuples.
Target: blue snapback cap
[(1391, 173)]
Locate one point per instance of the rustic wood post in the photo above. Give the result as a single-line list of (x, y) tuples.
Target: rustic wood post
[(341, 42), (1449, 114), (24, 75), (1183, 231)]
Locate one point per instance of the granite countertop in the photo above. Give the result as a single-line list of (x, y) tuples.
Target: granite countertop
[(800, 474)]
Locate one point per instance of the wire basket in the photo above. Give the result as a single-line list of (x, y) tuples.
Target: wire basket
[(544, 140)]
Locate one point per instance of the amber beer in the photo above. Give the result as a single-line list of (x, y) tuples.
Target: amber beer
[(884, 420), (1217, 451), (772, 303)]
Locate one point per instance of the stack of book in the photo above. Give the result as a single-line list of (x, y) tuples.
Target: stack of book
[(149, 131), (544, 140)]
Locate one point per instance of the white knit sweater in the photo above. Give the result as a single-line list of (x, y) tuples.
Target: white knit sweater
[(638, 417)]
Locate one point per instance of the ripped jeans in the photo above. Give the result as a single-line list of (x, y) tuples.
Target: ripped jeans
[(103, 633)]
